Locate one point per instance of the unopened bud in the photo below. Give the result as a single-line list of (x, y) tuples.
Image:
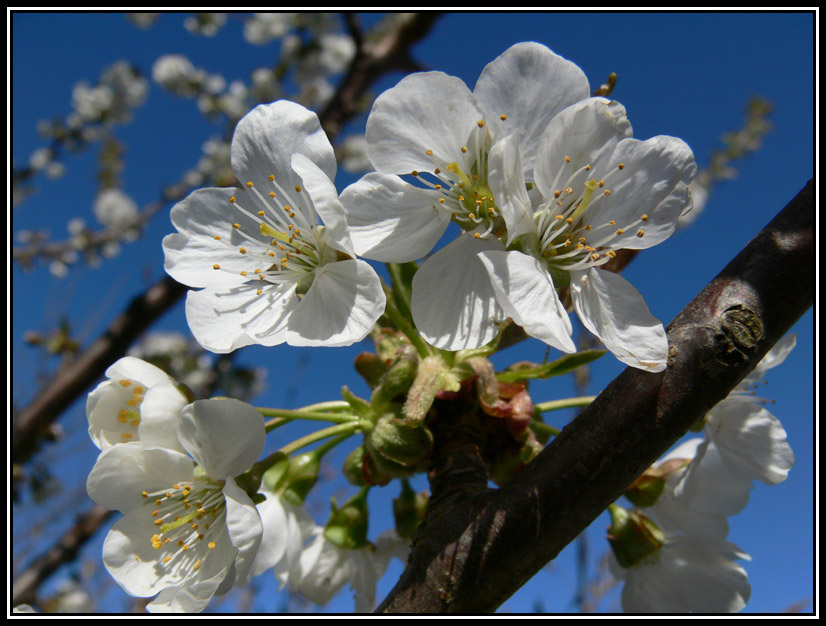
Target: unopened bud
[(394, 440), (371, 367), (408, 510), (347, 527), (632, 536), (396, 380)]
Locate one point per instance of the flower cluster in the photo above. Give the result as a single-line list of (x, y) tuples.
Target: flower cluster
[(545, 184), (674, 557)]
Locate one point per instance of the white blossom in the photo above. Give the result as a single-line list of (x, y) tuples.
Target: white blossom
[(432, 127), (188, 531), (274, 260), (137, 402)]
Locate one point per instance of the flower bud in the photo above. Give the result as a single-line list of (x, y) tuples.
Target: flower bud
[(647, 488), (395, 441), (408, 510), (353, 468), (632, 536), (347, 527), (371, 367), (396, 380)]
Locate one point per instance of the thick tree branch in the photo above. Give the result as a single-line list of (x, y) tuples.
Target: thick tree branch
[(474, 552), (388, 51)]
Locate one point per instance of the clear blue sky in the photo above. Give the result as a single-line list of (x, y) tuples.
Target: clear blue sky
[(687, 75)]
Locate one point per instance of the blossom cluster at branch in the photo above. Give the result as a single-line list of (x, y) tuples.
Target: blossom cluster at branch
[(677, 558)]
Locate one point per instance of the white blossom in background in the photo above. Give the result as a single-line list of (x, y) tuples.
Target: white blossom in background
[(597, 191), (324, 568), (286, 528), (262, 28), (274, 261), (188, 531), (432, 127), (206, 24), (176, 74), (687, 575), (690, 566), (116, 210), (751, 441), (137, 402)]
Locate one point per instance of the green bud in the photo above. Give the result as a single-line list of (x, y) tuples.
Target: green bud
[(302, 474), (408, 510), (360, 407), (632, 536), (371, 367), (396, 380), (353, 468), (649, 486), (347, 527), (394, 440)]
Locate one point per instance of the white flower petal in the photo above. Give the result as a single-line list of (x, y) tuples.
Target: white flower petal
[(391, 220), (611, 308), (341, 307), (653, 181), (325, 200), (122, 473), (192, 597), (684, 577), (268, 136), (586, 133), (224, 319), (526, 293), (507, 182), (529, 84), (425, 111), (191, 254), (751, 441), (453, 303), (245, 529), (225, 436)]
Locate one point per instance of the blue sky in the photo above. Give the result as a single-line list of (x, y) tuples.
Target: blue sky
[(682, 74)]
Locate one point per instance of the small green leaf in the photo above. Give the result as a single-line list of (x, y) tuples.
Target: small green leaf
[(568, 363)]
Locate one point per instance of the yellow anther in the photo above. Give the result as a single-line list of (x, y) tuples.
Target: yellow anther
[(242, 250), (594, 257), (158, 522), (621, 165), (249, 184), (567, 159), (437, 171), (611, 254), (122, 418), (503, 117), (477, 235), (155, 513), (271, 177), (607, 192), (236, 225), (612, 223), (197, 565), (260, 213), (441, 200), (640, 233), (298, 188), (211, 545), (414, 173), (587, 168), (124, 382), (167, 559), (559, 217), (144, 494), (429, 153), (243, 273), (271, 194), (258, 292), (217, 237), (232, 200), (480, 123), (620, 231), (557, 193), (464, 149), (602, 183), (644, 217)]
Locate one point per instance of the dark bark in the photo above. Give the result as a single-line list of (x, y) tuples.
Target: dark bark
[(477, 546)]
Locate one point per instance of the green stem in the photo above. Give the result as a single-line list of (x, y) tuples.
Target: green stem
[(567, 403), (284, 416), (404, 325), (342, 430), (539, 427)]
